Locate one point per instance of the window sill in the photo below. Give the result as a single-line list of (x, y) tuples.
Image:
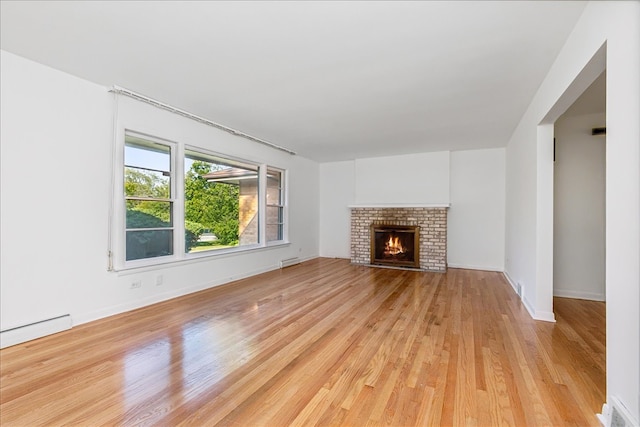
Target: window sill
[(198, 257)]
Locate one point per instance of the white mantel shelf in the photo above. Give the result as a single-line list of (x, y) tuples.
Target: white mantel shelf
[(401, 205)]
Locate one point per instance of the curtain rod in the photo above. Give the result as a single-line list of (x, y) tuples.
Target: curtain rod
[(131, 94)]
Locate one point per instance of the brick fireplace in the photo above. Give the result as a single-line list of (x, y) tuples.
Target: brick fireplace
[(432, 223)]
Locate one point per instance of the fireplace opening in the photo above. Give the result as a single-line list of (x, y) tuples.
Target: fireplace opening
[(395, 245)]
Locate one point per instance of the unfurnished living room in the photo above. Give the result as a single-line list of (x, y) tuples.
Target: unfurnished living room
[(297, 213)]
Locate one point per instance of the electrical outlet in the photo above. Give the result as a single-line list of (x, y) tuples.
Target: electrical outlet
[(159, 280), (136, 284)]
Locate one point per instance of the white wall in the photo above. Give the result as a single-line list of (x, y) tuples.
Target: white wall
[(530, 183), (579, 208), (472, 180), (475, 233), (408, 179), (56, 144), (337, 192), (55, 137)]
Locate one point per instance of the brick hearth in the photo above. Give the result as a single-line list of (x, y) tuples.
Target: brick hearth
[(433, 232)]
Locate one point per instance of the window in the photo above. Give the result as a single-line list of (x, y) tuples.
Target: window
[(148, 199), (221, 197), (185, 202), (275, 205)]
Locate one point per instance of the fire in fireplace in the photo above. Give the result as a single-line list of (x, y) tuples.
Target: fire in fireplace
[(395, 245)]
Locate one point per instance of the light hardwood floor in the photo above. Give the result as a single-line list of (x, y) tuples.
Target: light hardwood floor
[(321, 343)]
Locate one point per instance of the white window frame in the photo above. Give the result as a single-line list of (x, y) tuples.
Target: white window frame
[(282, 205), (117, 251), (119, 220), (240, 163)]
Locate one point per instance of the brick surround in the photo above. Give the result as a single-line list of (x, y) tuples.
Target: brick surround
[(433, 232)]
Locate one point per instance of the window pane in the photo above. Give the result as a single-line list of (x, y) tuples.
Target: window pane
[(147, 171), (274, 223), (275, 208), (147, 174), (149, 244), (274, 215), (148, 214), (274, 193), (145, 154), (146, 183), (221, 203), (274, 232)]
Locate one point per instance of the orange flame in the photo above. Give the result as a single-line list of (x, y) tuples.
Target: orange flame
[(393, 246)]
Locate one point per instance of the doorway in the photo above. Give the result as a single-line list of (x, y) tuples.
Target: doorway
[(579, 197)]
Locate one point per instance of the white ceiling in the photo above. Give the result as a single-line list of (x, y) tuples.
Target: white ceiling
[(330, 80)]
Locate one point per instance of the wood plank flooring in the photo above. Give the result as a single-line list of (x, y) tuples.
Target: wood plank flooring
[(321, 343)]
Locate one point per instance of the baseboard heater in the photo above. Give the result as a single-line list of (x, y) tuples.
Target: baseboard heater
[(34, 330), (289, 262), (615, 414)]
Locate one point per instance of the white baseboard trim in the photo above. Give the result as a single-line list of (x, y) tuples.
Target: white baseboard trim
[(154, 299), (18, 335), (123, 308), (510, 281), (569, 293), (475, 267), (528, 306), (545, 316), (336, 255), (29, 332)]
